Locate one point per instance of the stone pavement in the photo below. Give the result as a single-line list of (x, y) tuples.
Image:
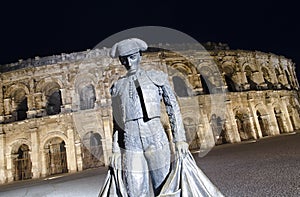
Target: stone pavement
[(266, 167)]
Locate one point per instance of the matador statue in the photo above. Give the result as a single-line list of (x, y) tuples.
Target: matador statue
[(141, 156)]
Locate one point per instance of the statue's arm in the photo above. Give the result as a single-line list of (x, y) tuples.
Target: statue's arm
[(115, 144), (173, 112)]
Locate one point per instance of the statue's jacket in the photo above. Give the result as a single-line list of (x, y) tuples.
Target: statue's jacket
[(140, 95)]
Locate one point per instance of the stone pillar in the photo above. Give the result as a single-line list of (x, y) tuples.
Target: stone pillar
[(7, 106), (2, 157), (45, 153), (207, 135), (107, 143), (31, 106), (9, 166), (71, 154), (78, 155), (255, 121), (285, 112), (35, 153), (252, 129), (273, 121), (230, 125)]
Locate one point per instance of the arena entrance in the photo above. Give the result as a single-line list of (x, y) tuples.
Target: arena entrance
[(22, 164), (56, 157)]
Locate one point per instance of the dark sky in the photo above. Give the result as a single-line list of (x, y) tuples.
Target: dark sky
[(44, 28)]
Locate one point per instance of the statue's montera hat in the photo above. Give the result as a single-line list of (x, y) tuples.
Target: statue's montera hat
[(128, 47)]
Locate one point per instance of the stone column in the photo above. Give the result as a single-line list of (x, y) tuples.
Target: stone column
[(44, 152), (284, 101), (9, 165), (252, 129), (2, 157), (71, 154), (78, 155), (273, 121), (107, 143), (207, 137), (7, 106), (255, 121), (35, 153), (31, 106), (230, 125)]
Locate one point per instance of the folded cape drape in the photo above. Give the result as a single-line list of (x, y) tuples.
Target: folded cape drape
[(184, 180), (187, 180), (113, 185)]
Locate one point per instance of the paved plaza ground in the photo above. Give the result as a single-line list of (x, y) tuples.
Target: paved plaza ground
[(266, 167)]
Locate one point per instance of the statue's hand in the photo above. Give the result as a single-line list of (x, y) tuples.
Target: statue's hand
[(182, 147)]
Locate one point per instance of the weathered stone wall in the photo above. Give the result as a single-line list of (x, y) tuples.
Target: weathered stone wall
[(59, 106)]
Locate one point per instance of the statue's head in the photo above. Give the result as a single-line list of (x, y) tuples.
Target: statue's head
[(129, 53)]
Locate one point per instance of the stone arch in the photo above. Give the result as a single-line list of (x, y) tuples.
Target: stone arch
[(18, 100), (42, 84), (51, 95), (183, 68), (249, 70), (207, 79), (85, 89), (187, 72), (53, 98), (216, 124), (13, 88), (22, 164), (92, 150), (244, 125), (180, 87), (52, 134), (267, 75), (55, 155), (14, 146), (228, 71), (20, 150), (263, 119)]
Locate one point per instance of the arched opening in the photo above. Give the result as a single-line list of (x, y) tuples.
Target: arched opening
[(87, 97), (19, 99), (244, 125), (180, 87), (253, 85), (54, 102), (230, 84), (56, 156), (92, 150), (216, 124), (205, 87), (22, 164), (267, 78), (191, 133)]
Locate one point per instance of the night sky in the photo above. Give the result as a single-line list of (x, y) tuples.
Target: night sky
[(45, 28)]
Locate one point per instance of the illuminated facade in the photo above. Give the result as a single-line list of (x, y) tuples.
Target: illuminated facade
[(55, 113)]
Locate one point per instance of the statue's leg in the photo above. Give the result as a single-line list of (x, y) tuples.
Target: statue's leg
[(157, 151), (136, 175), (158, 161)]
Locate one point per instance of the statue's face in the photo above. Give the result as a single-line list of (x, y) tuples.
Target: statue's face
[(131, 62)]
